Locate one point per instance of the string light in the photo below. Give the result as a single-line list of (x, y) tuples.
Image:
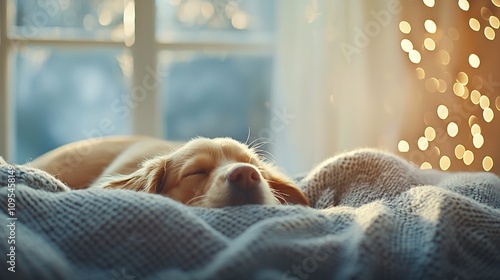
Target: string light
[(488, 115), (474, 60), (430, 133), (474, 24), (403, 146), (442, 112), (464, 5), (468, 157), (444, 163), (405, 27), (489, 33), (426, 165), (430, 26), (459, 151), (429, 44), (487, 163), (429, 3), (494, 22), (452, 129), (462, 84), (414, 56)]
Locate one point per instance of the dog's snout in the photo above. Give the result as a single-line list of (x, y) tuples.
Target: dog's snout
[(244, 177)]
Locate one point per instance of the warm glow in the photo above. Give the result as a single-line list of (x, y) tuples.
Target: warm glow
[(497, 103), (472, 120), (475, 129), (464, 5), (430, 133), (442, 111), (459, 151), (478, 140), (474, 24), (430, 26), (494, 22), (468, 157), (420, 73), (403, 146), (414, 56), (406, 45), (496, 2), (489, 33), (484, 102), (429, 44), (474, 61), (452, 129), (458, 89), (475, 96), (426, 165), (444, 163), (462, 78), (429, 3), (423, 144), (488, 114), (487, 163), (405, 27)]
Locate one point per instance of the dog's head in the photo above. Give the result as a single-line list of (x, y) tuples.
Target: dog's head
[(212, 173)]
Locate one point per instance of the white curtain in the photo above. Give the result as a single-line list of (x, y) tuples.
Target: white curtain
[(339, 76)]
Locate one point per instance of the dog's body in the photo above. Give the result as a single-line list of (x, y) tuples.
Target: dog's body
[(202, 172)]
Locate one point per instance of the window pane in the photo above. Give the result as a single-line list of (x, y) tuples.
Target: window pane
[(63, 96), (213, 96), (71, 19), (215, 20)]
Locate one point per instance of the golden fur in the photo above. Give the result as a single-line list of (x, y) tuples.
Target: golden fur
[(202, 172)]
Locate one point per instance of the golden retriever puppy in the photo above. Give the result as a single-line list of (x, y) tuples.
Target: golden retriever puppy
[(202, 172)]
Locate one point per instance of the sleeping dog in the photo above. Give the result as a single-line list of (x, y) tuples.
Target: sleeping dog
[(202, 172)]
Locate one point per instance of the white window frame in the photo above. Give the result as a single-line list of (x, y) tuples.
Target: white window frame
[(147, 116)]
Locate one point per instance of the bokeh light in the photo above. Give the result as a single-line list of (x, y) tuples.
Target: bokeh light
[(459, 151), (487, 163), (415, 56), (442, 112), (423, 144), (489, 33), (429, 3), (452, 129), (474, 61), (430, 26), (444, 163), (474, 24), (403, 146), (405, 27), (464, 5), (429, 44)]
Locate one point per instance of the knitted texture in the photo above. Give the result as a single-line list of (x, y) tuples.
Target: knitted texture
[(373, 216)]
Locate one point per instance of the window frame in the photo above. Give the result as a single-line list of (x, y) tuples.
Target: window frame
[(144, 51)]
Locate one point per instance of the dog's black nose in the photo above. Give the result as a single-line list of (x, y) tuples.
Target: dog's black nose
[(244, 177)]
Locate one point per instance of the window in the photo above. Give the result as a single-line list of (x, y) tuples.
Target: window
[(173, 69)]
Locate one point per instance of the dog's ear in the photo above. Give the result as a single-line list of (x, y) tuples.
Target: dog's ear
[(288, 193), (285, 189), (149, 178)]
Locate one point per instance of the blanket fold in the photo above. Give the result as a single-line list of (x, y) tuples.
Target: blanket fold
[(373, 216)]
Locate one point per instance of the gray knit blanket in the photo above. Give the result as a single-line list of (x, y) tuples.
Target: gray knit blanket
[(373, 216)]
